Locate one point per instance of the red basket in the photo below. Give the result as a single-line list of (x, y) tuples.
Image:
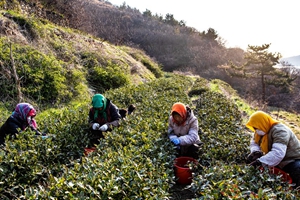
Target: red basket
[(182, 171), (89, 150), (285, 176)]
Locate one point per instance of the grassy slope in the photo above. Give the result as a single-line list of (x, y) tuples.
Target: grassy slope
[(290, 119), (74, 50)]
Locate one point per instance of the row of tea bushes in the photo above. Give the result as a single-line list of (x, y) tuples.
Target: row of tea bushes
[(133, 162), (223, 173)]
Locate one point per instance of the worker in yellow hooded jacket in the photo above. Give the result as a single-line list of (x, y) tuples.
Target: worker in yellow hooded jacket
[(274, 145)]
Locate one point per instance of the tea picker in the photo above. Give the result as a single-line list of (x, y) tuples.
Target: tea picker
[(274, 145), (183, 131), (20, 120)]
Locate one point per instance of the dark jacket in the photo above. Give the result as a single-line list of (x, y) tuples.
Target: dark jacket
[(113, 116), (11, 127)]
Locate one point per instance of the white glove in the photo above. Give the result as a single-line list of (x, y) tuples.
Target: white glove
[(103, 128), (96, 126)]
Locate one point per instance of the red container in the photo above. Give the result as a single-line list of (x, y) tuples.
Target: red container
[(89, 150), (285, 176), (182, 171)]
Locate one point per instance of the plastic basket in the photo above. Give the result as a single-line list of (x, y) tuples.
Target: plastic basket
[(182, 171)]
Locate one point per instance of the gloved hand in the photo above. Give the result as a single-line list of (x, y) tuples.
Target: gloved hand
[(255, 163), (253, 156), (96, 126), (175, 141), (103, 128), (44, 137)]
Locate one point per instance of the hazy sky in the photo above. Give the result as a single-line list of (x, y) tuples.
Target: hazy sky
[(238, 22)]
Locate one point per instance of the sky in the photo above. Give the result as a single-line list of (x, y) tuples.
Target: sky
[(238, 22)]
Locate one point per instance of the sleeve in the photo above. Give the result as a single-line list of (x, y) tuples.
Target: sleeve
[(275, 156), (115, 116), (192, 135), (171, 134), (280, 141), (37, 132), (91, 116), (254, 146)]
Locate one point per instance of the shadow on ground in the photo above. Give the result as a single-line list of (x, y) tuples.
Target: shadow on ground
[(181, 192)]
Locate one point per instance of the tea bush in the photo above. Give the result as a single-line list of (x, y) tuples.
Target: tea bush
[(223, 132), (200, 86)]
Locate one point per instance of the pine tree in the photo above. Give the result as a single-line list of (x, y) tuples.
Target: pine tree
[(260, 64)]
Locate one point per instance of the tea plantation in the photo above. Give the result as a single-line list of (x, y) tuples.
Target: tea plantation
[(135, 160)]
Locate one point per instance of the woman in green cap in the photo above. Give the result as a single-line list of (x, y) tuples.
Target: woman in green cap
[(103, 116)]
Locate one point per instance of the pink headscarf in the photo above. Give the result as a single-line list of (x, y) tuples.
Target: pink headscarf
[(24, 110)]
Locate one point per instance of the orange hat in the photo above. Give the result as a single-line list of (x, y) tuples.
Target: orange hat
[(180, 108)]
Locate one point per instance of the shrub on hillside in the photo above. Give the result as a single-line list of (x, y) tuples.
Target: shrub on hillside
[(42, 77), (154, 69)]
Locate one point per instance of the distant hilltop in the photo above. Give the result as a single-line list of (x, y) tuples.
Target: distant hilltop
[(294, 60)]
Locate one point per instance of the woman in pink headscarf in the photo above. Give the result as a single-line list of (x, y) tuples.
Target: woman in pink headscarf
[(21, 118)]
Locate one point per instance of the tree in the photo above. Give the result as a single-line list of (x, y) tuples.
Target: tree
[(210, 34), (147, 13), (169, 19), (260, 64), (16, 77)]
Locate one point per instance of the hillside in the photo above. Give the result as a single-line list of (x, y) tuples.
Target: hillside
[(72, 63), (169, 42), (174, 45)]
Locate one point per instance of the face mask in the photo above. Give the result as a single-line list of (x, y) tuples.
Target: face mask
[(260, 132), (29, 120)]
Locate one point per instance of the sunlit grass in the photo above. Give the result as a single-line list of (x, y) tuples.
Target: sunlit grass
[(292, 120)]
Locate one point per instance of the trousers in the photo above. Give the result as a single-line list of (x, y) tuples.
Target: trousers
[(293, 169)]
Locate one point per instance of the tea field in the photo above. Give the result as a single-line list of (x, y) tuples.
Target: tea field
[(135, 160)]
